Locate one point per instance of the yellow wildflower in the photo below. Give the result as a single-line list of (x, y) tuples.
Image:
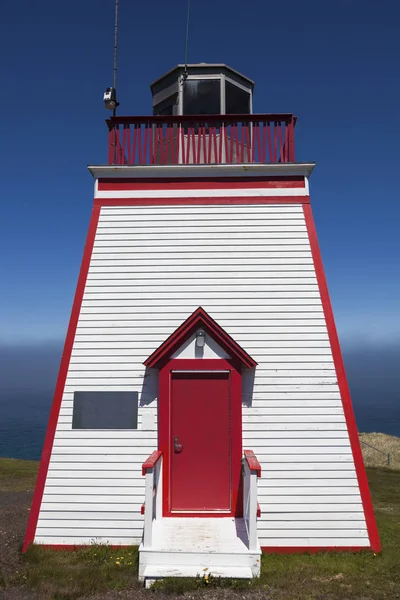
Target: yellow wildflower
[(117, 562)]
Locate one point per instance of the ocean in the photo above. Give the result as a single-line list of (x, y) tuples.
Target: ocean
[(27, 379)]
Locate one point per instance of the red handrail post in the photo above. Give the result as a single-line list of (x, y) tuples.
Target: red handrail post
[(291, 139)]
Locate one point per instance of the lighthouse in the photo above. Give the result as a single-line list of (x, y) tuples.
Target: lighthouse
[(202, 410)]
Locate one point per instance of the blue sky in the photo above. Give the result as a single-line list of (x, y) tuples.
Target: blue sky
[(333, 63)]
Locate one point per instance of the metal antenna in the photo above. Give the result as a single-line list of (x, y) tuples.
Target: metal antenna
[(115, 50), (187, 36)]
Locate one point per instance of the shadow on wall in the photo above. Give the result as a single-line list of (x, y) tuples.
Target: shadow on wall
[(248, 377), (149, 391)]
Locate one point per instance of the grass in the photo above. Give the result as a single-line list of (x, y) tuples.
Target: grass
[(65, 575), (17, 475), (383, 445)]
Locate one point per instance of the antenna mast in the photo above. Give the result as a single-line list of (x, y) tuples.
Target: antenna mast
[(187, 37), (115, 51)]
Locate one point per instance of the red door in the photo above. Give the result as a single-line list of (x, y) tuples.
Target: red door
[(200, 442)]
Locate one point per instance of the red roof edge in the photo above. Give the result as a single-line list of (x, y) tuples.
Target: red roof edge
[(200, 318)]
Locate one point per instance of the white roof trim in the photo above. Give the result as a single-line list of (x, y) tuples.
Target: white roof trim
[(199, 171)]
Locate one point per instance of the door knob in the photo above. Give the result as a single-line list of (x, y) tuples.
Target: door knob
[(177, 446)]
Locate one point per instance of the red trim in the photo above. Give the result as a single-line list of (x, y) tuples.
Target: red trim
[(164, 428), (258, 510), (201, 201), (190, 183), (151, 461), (59, 389), (342, 382), (311, 549), (264, 549), (252, 461), (77, 547), (215, 119), (142, 509), (199, 319)]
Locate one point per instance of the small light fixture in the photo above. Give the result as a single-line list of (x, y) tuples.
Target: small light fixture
[(110, 98), (200, 338)]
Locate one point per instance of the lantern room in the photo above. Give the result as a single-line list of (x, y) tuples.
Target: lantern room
[(202, 89)]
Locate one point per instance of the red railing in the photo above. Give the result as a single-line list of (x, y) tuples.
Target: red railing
[(211, 139)]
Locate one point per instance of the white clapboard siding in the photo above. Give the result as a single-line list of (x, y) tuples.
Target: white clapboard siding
[(250, 267)]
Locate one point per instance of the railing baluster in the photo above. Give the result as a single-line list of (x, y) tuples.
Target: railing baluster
[(148, 132), (291, 140), (222, 143), (194, 153), (275, 143), (155, 143), (183, 146), (205, 154), (246, 139), (111, 144), (211, 134), (139, 143), (257, 142), (124, 143), (134, 144), (280, 139), (175, 144), (199, 139)]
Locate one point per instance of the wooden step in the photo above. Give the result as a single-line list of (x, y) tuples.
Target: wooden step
[(190, 547), (152, 573)]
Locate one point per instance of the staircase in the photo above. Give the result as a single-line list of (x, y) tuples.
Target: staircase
[(199, 546)]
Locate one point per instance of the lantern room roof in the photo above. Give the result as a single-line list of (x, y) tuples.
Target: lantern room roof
[(203, 69)]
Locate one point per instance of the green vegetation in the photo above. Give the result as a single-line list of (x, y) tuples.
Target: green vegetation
[(66, 575), (17, 475), (379, 446)]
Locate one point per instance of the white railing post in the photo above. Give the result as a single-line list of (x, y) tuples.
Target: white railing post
[(158, 490), (251, 472), (253, 511), (152, 470), (148, 506)]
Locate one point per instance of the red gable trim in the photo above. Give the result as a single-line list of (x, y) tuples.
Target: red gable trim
[(199, 319)]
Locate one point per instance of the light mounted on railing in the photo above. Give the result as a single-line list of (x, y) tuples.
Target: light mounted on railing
[(200, 338), (110, 98)]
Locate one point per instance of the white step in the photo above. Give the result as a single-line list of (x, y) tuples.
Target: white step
[(188, 547), (153, 572)]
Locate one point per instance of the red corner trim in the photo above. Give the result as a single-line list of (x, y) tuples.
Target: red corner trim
[(342, 382), (258, 510), (252, 461), (59, 389), (151, 461), (199, 319), (312, 549), (142, 509)]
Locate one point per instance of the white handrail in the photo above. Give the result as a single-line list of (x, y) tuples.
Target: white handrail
[(251, 471), (152, 469)]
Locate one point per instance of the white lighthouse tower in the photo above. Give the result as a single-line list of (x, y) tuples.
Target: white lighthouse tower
[(202, 409)]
